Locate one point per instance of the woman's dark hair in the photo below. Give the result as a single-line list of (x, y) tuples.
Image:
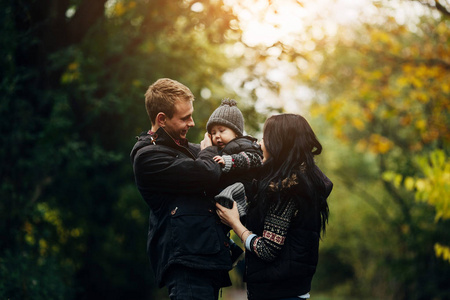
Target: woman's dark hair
[(292, 145)]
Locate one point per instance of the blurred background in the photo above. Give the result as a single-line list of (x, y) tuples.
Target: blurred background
[(372, 78)]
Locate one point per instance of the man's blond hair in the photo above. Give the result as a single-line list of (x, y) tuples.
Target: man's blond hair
[(162, 95)]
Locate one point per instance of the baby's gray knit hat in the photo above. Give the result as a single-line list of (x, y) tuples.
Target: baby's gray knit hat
[(229, 115), (233, 193)]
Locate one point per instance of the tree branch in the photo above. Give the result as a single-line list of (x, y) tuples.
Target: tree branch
[(396, 58), (442, 9), (438, 6), (367, 197)]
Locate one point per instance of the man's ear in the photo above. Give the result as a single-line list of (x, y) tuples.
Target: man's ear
[(161, 119)]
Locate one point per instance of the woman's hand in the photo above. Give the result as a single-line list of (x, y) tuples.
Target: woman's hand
[(206, 142), (229, 217)]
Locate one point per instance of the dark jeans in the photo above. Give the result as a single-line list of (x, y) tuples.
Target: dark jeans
[(184, 283)]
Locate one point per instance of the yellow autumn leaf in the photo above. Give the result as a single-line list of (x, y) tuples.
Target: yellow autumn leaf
[(76, 232), (72, 66), (402, 82), (380, 144), (396, 48), (378, 36), (438, 249), (43, 246), (407, 68), (71, 74), (30, 239), (358, 124), (376, 75), (119, 9), (442, 251), (28, 227), (421, 124), (442, 28), (409, 183), (416, 82)]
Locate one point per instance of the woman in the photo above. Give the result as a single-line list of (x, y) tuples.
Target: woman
[(287, 215)]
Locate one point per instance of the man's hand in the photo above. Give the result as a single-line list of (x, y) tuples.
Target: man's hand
[(206, 142)]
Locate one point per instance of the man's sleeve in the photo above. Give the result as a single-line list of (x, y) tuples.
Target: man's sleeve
[(160, 170)]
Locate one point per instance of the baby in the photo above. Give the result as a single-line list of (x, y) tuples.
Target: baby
[(240, 155)]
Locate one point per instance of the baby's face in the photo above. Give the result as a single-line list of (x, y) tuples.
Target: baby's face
[(221, 135)]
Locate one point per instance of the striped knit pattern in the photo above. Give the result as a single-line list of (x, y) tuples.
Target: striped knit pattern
[(242, 161), (234, 192)]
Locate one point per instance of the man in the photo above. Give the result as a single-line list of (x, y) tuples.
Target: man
[(188, 250)]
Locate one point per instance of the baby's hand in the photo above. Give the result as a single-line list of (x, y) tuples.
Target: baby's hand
[(219, 159)]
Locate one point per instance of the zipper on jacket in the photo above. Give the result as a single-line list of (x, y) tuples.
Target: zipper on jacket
[(186, 148), (174, 211)]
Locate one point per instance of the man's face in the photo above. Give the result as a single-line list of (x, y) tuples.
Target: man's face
[(181, 121)]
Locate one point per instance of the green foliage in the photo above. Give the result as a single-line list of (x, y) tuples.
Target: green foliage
[(433, 189), (72, 84), (383, 90), (74, 74), (24, 277), (390, 247), (369, 247)]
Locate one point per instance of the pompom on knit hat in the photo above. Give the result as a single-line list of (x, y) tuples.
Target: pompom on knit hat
[(229, 115)]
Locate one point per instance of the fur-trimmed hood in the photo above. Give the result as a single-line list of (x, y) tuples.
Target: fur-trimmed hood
[(298, 182), (285, 184)]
